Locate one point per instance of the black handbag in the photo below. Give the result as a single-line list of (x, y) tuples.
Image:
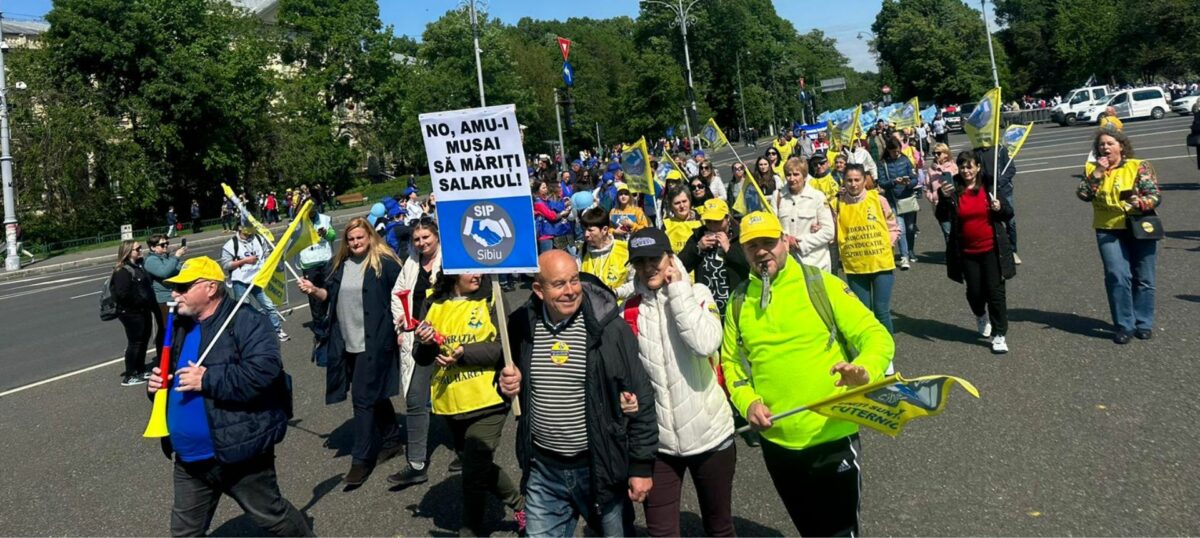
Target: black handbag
[(1147, 226)]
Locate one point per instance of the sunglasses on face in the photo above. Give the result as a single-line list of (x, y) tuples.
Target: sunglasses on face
[(706, 167), (697, 187), (183, 288), (137, 248)]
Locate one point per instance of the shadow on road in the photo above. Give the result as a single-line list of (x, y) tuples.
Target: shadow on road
[(320, 491), (1179, 186), (1071, 323), (1189, 298), (690, 524), (931, 329)]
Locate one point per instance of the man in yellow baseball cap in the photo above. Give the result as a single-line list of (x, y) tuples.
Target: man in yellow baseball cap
[(711, 254)]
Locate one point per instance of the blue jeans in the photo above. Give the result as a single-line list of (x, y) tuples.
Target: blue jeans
[(268, 307), (908, 234), (875, 291), (1128, 278), (556, 497)]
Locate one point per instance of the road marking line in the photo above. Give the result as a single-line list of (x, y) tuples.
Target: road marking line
[(103, 364), (87, 295), (1032, 147)]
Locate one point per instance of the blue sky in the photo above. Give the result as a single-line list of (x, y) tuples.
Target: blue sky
[(410, 16)]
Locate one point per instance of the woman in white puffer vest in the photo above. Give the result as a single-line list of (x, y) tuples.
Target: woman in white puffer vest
[(678, 328)]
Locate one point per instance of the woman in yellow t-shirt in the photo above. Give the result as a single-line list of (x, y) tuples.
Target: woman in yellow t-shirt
[(1119, 187), (683, 220)]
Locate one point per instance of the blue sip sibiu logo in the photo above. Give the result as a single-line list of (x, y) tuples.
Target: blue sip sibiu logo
[(487, 233)]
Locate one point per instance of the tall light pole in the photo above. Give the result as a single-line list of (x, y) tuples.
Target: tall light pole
[(741, 93), (475, 36), (682, 13), (12, 261)]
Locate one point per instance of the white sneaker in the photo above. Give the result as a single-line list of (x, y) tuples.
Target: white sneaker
[(984, 326), (999, 346), (1016, 259), (904, 265), (283, 337)]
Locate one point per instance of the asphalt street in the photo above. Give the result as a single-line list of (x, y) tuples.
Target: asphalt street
[(1073, 435)]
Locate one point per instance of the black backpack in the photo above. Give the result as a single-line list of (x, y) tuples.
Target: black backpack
[(108, 304)]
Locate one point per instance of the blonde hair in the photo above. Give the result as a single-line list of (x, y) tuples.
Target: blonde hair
[(377, 249), (941, 148), (795, 163), (124, 252)]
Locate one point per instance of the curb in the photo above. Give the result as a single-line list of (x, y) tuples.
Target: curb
[(101, 260)]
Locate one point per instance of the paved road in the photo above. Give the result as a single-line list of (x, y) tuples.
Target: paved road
[(1073, 435)]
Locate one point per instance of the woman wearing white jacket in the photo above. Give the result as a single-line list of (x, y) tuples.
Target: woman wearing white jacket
[(678, 328)]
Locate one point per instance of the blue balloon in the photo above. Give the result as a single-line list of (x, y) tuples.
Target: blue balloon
[(372, 218), (378, 210)]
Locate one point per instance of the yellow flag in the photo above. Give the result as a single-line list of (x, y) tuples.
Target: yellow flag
[(908, 115), (757, 200), (843, 133), (887, 405), (266, 273), (258, 227), (983, 125), (635, 162), (1014, 138), (713, 135), (306, 237)]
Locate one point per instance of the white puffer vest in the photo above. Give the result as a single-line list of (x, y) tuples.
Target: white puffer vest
[(678, 329)]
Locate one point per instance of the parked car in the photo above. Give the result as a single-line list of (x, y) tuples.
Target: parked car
[(1147, 102), (1183, 105), (1078, 101)]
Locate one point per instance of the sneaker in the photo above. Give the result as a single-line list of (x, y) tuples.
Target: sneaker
[(146, 374), (904, 265), (283, 337), (456, 465), (131, 380), (519, 516), (1143, 334), (984, 326), (999, 345), (409, 477), (1016, 259), (358, 474)]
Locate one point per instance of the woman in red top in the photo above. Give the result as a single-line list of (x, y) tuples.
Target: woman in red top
[(977, 248)]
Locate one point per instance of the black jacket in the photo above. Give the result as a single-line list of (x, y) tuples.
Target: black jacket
[(721, 279), (947, 211), (1005, 184), (244, 386), (619, 446), (378, 376), (132, 289)]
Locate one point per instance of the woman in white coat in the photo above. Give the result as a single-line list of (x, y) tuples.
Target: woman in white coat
[(804, 212), (678, 328)]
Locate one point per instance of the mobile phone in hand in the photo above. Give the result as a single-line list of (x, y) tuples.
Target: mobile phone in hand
[(183, 242)]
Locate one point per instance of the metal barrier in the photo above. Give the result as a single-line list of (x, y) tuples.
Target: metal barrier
[(1021, 117)]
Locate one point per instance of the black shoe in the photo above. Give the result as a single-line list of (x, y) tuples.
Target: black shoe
[(752, 439), (358, 474), (409, 476), (391, 450), (1121, 337), (1144, 334), (132, 380), (456, 465)]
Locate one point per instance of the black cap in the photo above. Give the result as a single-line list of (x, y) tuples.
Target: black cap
[(648, 243), (817, 158)]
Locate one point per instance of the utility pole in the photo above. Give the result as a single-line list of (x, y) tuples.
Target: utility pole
[(681, 18), (475, 36), (12, 262), (599, 144), (562, 164), (742, 95)]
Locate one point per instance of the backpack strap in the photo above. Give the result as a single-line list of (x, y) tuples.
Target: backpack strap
[(818, 295), (631, 312)]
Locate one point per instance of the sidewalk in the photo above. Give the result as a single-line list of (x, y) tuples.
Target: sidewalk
[(100, 256)]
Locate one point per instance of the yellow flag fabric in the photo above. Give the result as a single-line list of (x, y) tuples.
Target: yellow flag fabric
[(1014, 138), (306, 236), (635, 161), (983, 125), (842, 133), (258, 227), (756, 201), (909, 115), (887, 405), (266, 273), (712, 134)]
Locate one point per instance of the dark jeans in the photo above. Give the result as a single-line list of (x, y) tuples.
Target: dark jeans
[(252, 484), (416, 403), (196, 225), (1011, 224), (821, 486), (374, 423), (712, 472), (985, 287), (316, 275), (476, 439), (137, 337)]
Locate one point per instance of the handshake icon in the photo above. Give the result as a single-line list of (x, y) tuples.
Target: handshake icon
[(487, 232)]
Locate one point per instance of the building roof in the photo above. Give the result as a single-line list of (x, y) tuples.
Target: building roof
[(267, 10), (24, 28)]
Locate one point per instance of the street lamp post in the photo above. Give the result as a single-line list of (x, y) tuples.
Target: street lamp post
[(682, 13), (12, 261), (741, 93), (475, 36)]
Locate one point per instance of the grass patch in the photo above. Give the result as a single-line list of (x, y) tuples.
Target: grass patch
[(376, 191)]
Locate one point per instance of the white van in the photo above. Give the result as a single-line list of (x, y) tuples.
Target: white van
[(1147, 102), (1079, 100)]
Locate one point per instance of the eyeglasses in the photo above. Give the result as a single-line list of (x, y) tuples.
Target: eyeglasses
[(164, 244), (697, 187), (137, 248), (772, 153), (183, 288), (706, 167)]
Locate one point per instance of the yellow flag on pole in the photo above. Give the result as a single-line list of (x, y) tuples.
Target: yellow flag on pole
[(983, 124), (265, 274), (258, 227), (635, 162), (1014, 138), (756, 201), (887, 405), (712, 134), (306, 236), (908, 115)]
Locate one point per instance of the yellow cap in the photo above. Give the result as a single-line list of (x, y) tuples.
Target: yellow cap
[(714, 209), (622, 186), (760, 224), (674, 175), (199, 268)]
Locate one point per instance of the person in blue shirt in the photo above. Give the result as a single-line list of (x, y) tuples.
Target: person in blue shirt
[(225, 415)]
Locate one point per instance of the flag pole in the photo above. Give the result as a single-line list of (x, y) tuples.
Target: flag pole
[(225, 324), (999, 100), (782, 415), (502, 328)]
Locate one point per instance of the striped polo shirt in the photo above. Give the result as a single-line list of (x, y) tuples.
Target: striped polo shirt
[(557, 374)]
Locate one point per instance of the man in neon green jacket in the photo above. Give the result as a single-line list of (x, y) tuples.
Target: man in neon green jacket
[(778, 355)]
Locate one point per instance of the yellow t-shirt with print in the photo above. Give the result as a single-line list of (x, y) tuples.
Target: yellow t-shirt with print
[(459, 389)]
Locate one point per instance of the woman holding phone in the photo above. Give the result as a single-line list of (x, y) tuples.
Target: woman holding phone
[(898, 179)]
